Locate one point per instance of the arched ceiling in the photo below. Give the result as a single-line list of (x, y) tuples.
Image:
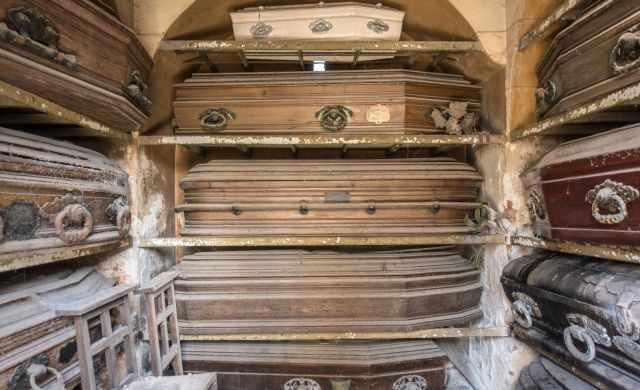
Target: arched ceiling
[(207, 19)]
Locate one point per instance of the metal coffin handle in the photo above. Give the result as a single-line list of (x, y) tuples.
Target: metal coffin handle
[(625, 55), (216, 119), (38, 370), (613, 197), (76, 214), (575, 332)]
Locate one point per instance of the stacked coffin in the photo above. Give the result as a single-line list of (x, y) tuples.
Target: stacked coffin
[(78, 55), (56, 195), (247, 198), (358, 103)]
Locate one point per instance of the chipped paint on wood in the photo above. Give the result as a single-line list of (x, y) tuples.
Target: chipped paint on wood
[(322, 46), (619, 253), (283, 241), (625, 95), (325, 140), (40, 104), (47, 256), (442, 333), (551, 23)]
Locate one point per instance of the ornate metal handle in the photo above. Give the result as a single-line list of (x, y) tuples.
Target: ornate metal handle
[(38, 370), (378, 26), (320, 26), (216, 118), (612, 197), (119, 213), (625, 55), (74, 214), (410, 382), (334, 118), (581, 334), (522, 314), (261, 30), (136, 90), (301, 384)]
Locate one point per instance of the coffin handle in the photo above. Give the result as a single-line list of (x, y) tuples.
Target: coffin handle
[(613, 197), (38, 370), (334, 118), (523, 314), (119, 213), (575, 332), (75, 214), (625, 55), (216, 119)]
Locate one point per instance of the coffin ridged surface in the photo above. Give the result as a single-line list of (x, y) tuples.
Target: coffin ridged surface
[(369, 365), (328, 197), (235, 292)]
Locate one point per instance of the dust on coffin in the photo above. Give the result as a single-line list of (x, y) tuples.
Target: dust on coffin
[(579, 310), (58, 195), (393, 291), (341, 103), (105, 77), (249, 198)]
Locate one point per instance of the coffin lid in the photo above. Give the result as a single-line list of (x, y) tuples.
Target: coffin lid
[(32, 302), (617, 140)]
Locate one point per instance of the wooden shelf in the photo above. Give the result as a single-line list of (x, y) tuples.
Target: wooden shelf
[(293, 45), (315, 241), (547, 126), (330, 141), (625, 254), (552, 23), (12, 262), (441, 333), (58, 113)]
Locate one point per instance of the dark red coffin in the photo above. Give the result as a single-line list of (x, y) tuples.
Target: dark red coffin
[(589, 189)]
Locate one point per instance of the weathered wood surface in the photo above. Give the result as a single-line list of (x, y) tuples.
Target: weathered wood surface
[(280, 291), (581, 310), (58, 196), (249, 198), (378, 102), (598, 179), (77, 55), (31, 331), (592, 58), (368, 365), (544, 374)]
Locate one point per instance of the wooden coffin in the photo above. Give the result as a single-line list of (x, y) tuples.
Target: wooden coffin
[(595, 55), (347, 21), (543, 374), (329, 197), (598, 180), (32, 333), (580, 311), (392, 365), (56, 195), (298, 291), (362, 102), (78, 55)]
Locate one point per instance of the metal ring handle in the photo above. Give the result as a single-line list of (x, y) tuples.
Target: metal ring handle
[(576, 332), (522, 314), (123, 221), (36, 370), (334, 118), (605, 198), (625, 55), (216, 119), (77, 214)]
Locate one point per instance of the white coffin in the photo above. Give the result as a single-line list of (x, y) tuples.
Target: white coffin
[(348, 21)]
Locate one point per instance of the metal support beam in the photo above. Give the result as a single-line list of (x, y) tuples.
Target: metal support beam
[(320, 45), (624, 254), (43, 105)]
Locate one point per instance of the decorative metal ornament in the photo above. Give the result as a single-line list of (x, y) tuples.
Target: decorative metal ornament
[(29, 28), (334, 118), (525, 309), (455, 119), (301, 384), (574, 332), (216, 119), (19, 380), (611, 197), (536, 208), (119, 214), (628, 347), (625, 55), (378, 26), (624, 321), (74, 224), (320, 26), (546, 95), (378, 114), (410, 382), (136, 91), (20, 220), (261, 30), (340, 384), (597, 332)]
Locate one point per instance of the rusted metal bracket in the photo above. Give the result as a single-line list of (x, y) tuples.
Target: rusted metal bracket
[(624, 254), (286, 241), (622, 96), (336, 141), (565, 12), (442, 333), (364, 47), (58, 112)]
